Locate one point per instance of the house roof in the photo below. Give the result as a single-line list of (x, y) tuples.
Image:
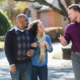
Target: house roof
[(36, 5), (43, 7)]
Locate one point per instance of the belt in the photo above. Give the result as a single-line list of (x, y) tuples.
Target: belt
[(76, 52)]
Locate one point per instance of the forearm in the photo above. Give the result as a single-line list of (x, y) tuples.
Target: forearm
[(47, 45)]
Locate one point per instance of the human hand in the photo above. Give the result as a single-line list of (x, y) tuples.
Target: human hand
[(63, 41), (13, 68), (35, 44), (61, 38), (30, 53), (41, 44)]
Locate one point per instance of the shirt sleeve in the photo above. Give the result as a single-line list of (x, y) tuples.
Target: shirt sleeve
[(50, 45), (32, 40), (67, 35), (8, 47)]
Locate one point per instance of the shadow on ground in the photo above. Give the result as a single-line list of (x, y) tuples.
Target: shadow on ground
[(4, 73), (54, 73), (60, 73), (2, 54)]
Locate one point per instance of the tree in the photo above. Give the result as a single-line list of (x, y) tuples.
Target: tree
[(2, 1), (13, 8), (62, 9), (4, 23), (20, 6)]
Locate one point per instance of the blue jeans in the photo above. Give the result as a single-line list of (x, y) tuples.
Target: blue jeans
[(24, 72), (40, 71), (76, 65)]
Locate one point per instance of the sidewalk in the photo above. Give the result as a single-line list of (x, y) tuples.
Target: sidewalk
[(57, 69)]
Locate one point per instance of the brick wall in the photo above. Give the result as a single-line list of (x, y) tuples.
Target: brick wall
[(48, 18), (33, 11), (51, 18), (44, 17), (58, 20)]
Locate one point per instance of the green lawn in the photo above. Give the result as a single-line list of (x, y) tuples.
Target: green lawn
[(1, 44)]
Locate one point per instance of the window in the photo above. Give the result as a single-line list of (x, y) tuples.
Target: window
[(29, 16)]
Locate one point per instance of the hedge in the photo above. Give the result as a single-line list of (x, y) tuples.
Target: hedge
[(4, 23), (54, 32)]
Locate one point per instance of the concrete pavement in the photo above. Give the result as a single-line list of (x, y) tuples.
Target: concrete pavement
[(57, 69)]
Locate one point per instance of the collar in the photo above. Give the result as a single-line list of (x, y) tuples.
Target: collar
[(16, 28), (75, 23)]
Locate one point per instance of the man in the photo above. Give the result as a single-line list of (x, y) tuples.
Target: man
[(18, 50), (72, 33)]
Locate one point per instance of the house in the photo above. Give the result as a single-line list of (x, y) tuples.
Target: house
[(49, 17)]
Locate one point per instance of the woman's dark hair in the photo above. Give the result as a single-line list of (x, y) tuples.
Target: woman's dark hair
[(75, 7), (33, 27)]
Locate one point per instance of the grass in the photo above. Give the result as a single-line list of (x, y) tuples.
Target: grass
[(56, 54), (1, 44)]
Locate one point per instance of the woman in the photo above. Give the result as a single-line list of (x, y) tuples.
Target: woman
[(43, 45)]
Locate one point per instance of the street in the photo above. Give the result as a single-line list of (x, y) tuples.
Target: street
[(57, 69)]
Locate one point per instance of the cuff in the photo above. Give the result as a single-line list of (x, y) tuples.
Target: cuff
[(12, 64)]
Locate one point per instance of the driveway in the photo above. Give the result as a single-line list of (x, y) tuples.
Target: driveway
[(57, 69)]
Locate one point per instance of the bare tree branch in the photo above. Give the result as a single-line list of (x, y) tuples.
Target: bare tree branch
[(43, 2), (61, 11), (68, 3), (62, 8), (9, 8)]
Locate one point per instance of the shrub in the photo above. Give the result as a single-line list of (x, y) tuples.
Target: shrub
[(66, 53), (66, 50), (2, 38), (54, 32), (4, 23)]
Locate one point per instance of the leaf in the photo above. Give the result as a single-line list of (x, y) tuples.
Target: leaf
[(20, 6)]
